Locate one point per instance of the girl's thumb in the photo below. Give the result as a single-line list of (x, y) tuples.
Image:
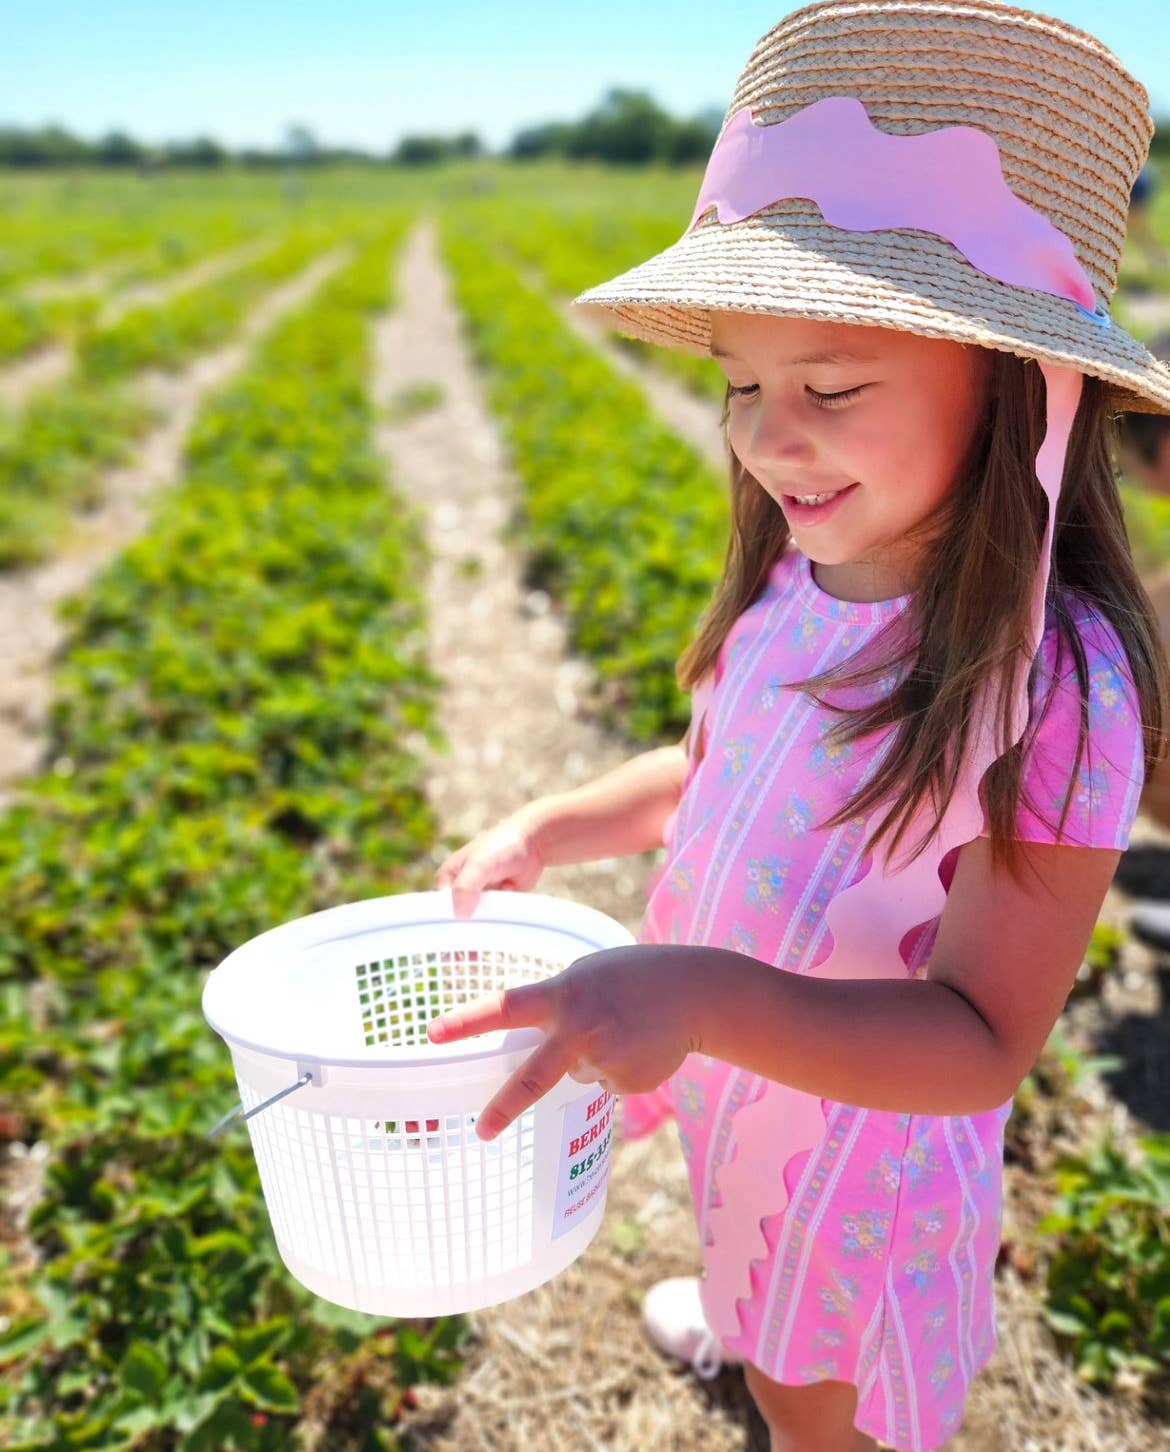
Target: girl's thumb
[(464, 899)]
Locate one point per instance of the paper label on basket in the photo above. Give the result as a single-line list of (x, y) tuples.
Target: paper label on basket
[(586, 1146)]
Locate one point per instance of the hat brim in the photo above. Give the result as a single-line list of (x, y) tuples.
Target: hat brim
[(790, 262)]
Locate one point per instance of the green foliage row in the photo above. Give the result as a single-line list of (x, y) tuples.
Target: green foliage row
[(50, 232), (1108, 1280), (166, 335), (629, 129), (621, 519), (231, 747), (1105, 1242), (52, 458), (53, 454), (1147, 522), (28, 321), (573, 250)]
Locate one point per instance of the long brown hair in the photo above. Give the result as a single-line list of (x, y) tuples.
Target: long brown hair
[(968, 618)]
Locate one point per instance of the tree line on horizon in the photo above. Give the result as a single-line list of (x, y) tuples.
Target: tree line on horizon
[(628, 127)]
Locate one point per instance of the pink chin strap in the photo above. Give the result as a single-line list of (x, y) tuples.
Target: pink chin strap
[(948, 182)]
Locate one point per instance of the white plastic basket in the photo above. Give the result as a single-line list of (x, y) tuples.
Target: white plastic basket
[(382, 1198)]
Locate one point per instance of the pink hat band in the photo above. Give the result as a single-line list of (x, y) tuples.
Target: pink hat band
[(949, 182)]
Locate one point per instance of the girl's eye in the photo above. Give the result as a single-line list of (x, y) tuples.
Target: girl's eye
[(834, 400), (822, 400)]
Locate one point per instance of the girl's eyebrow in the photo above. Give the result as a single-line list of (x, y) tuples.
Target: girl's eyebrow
[(838, 357)]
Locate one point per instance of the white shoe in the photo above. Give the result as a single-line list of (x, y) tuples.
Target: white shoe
[(673, 1315)]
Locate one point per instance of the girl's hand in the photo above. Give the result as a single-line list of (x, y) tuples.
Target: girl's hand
[(623, 1017), (504, 856)]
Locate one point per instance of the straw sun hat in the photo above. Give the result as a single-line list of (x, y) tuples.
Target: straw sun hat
[(1064, 129)]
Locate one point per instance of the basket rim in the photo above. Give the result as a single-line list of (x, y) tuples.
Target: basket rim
[(316, 931)]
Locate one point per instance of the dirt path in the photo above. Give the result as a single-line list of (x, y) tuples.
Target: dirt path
[(77, 284), (566, 1366), (29, 629), (569, 1366), (32, 372)]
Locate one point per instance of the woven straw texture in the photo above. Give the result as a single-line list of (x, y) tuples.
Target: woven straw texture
[(1073, 129)]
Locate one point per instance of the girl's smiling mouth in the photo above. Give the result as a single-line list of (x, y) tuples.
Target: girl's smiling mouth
[(801, 513)]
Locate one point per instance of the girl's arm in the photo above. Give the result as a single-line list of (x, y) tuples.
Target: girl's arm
[(616, 814), (958, 1041)]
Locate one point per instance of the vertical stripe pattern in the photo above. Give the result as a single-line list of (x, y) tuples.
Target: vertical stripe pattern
[(880, 1259)]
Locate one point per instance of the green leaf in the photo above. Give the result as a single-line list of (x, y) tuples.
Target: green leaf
[(411, 1343), (1114, 1321), (143, 1369), (254, 1341), (23, 1336), (628, 1237), (190, 1411), (228, 1244), (270, 1388), (222, 1368), (143, 1419), (1065, 1324)]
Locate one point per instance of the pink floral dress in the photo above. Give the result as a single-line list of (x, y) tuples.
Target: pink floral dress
[(881, 1256)]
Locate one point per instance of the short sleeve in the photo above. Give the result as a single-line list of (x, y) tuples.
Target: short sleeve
[(1109, 782)]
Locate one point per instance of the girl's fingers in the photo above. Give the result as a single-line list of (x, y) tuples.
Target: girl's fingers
[(585, 1073), (540, 1072), (529, 1005)]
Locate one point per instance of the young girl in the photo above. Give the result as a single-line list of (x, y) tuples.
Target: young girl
[(926, 696)]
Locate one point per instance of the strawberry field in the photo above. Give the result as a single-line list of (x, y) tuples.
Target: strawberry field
[(244, 711)]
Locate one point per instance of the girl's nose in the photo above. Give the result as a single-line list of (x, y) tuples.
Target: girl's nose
[(778, 436)]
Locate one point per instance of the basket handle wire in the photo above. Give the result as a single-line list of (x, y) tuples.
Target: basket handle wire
[(240, 1113)]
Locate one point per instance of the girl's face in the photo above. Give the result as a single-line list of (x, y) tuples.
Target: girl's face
[(905, 412)]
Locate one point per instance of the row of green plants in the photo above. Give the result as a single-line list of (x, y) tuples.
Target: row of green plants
[(595, 469), (1104, 1248), (29, 321), (575, 250), (167, 335), (127, 234), (233, 744), (55, 452), (620, 518), (53, 458)]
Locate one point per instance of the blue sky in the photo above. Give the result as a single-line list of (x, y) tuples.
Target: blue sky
[(365, 73)]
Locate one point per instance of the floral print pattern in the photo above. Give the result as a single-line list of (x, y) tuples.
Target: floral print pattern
[(882, 1249)]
